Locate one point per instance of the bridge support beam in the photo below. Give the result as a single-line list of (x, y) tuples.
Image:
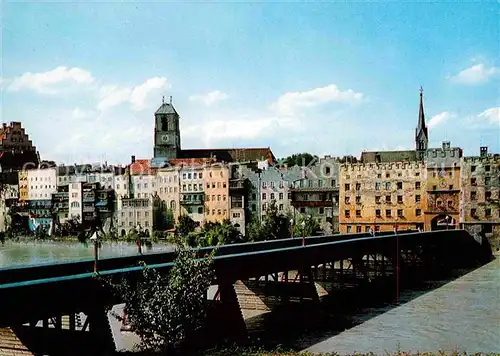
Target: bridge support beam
[(229, 316)]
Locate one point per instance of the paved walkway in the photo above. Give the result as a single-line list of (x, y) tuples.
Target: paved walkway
[(462, 315), (10, 345)]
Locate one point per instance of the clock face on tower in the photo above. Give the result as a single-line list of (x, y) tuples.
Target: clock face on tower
[(165, 138)]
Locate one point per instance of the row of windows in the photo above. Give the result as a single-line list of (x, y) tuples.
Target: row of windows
[(42, 179), (310, 183), (131, 214), (388, 199), (199, 175), (169, 180), (487, 213), (194, 175), (192, 187), (47, 186), (487, 181), (131, 223), (217, 212), (145, 185), (487, 168), (378, 213), (168, 190), (135, 203), (378, 185), (219, 196), (487, 195), (272, 196), (379, 175), (368, 228)]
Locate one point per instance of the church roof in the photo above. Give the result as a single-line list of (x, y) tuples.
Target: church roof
[(166, 108), (231, 154), (421, 127), (388, 156)]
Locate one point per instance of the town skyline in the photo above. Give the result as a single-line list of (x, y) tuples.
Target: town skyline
[(322, 80)]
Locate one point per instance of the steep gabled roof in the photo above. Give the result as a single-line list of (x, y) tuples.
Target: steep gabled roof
[(166, 108), (142, 166)]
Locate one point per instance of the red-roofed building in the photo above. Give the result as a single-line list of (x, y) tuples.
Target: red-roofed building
[(141, 167)]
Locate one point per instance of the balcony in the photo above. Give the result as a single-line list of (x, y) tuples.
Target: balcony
[(61, 207), (236, 185), (313, 203), (192, 199), (313, 189), (60, 196), (88, 198), (88, 209)]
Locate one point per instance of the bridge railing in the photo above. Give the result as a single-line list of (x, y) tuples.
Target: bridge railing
[(48, 270)]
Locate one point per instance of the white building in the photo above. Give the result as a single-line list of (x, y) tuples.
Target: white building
[(168, 189), (42, 183), (192, 192), (75, 200)]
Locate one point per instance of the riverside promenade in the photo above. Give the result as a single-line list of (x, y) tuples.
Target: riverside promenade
[(462, 315)]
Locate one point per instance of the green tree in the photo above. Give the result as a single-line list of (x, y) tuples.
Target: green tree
[(311, 226), (185, 225), (216, 233), (274, 225), (299, 159), (165, 310)]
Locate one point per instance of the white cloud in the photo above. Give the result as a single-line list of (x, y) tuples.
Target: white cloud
[(113, 95), (291, 103), (78, 113), (210, 98), (243, 128), (477, 74), (51, 82), (492, 115), (440, 119)]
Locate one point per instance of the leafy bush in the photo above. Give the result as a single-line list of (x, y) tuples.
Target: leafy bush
[(165, 310)]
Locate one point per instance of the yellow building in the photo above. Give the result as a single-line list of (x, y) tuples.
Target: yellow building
[(443, 187), (23, 185), (216, 192), (381, 196)]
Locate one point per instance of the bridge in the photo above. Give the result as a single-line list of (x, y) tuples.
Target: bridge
[(42, 302)]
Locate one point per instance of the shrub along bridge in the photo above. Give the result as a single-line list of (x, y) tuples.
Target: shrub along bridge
[(44, 301)]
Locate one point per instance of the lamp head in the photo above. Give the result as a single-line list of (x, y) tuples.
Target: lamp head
[(303, 224), (94, 237)]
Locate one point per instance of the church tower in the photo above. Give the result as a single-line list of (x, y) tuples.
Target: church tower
[(421, 134), (167, 138)]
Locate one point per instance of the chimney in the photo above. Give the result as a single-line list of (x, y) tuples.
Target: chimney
[(483, 151), (132, 159)]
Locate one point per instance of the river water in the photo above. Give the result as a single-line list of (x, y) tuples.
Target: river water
[(36, 252), (461, 313)]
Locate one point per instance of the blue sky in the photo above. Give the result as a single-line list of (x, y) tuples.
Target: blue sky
[(327, 78)]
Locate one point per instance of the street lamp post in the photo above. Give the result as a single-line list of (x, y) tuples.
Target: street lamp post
[(397, 261), (291, 228), (139, 247), (95, 240), (303, 224)]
